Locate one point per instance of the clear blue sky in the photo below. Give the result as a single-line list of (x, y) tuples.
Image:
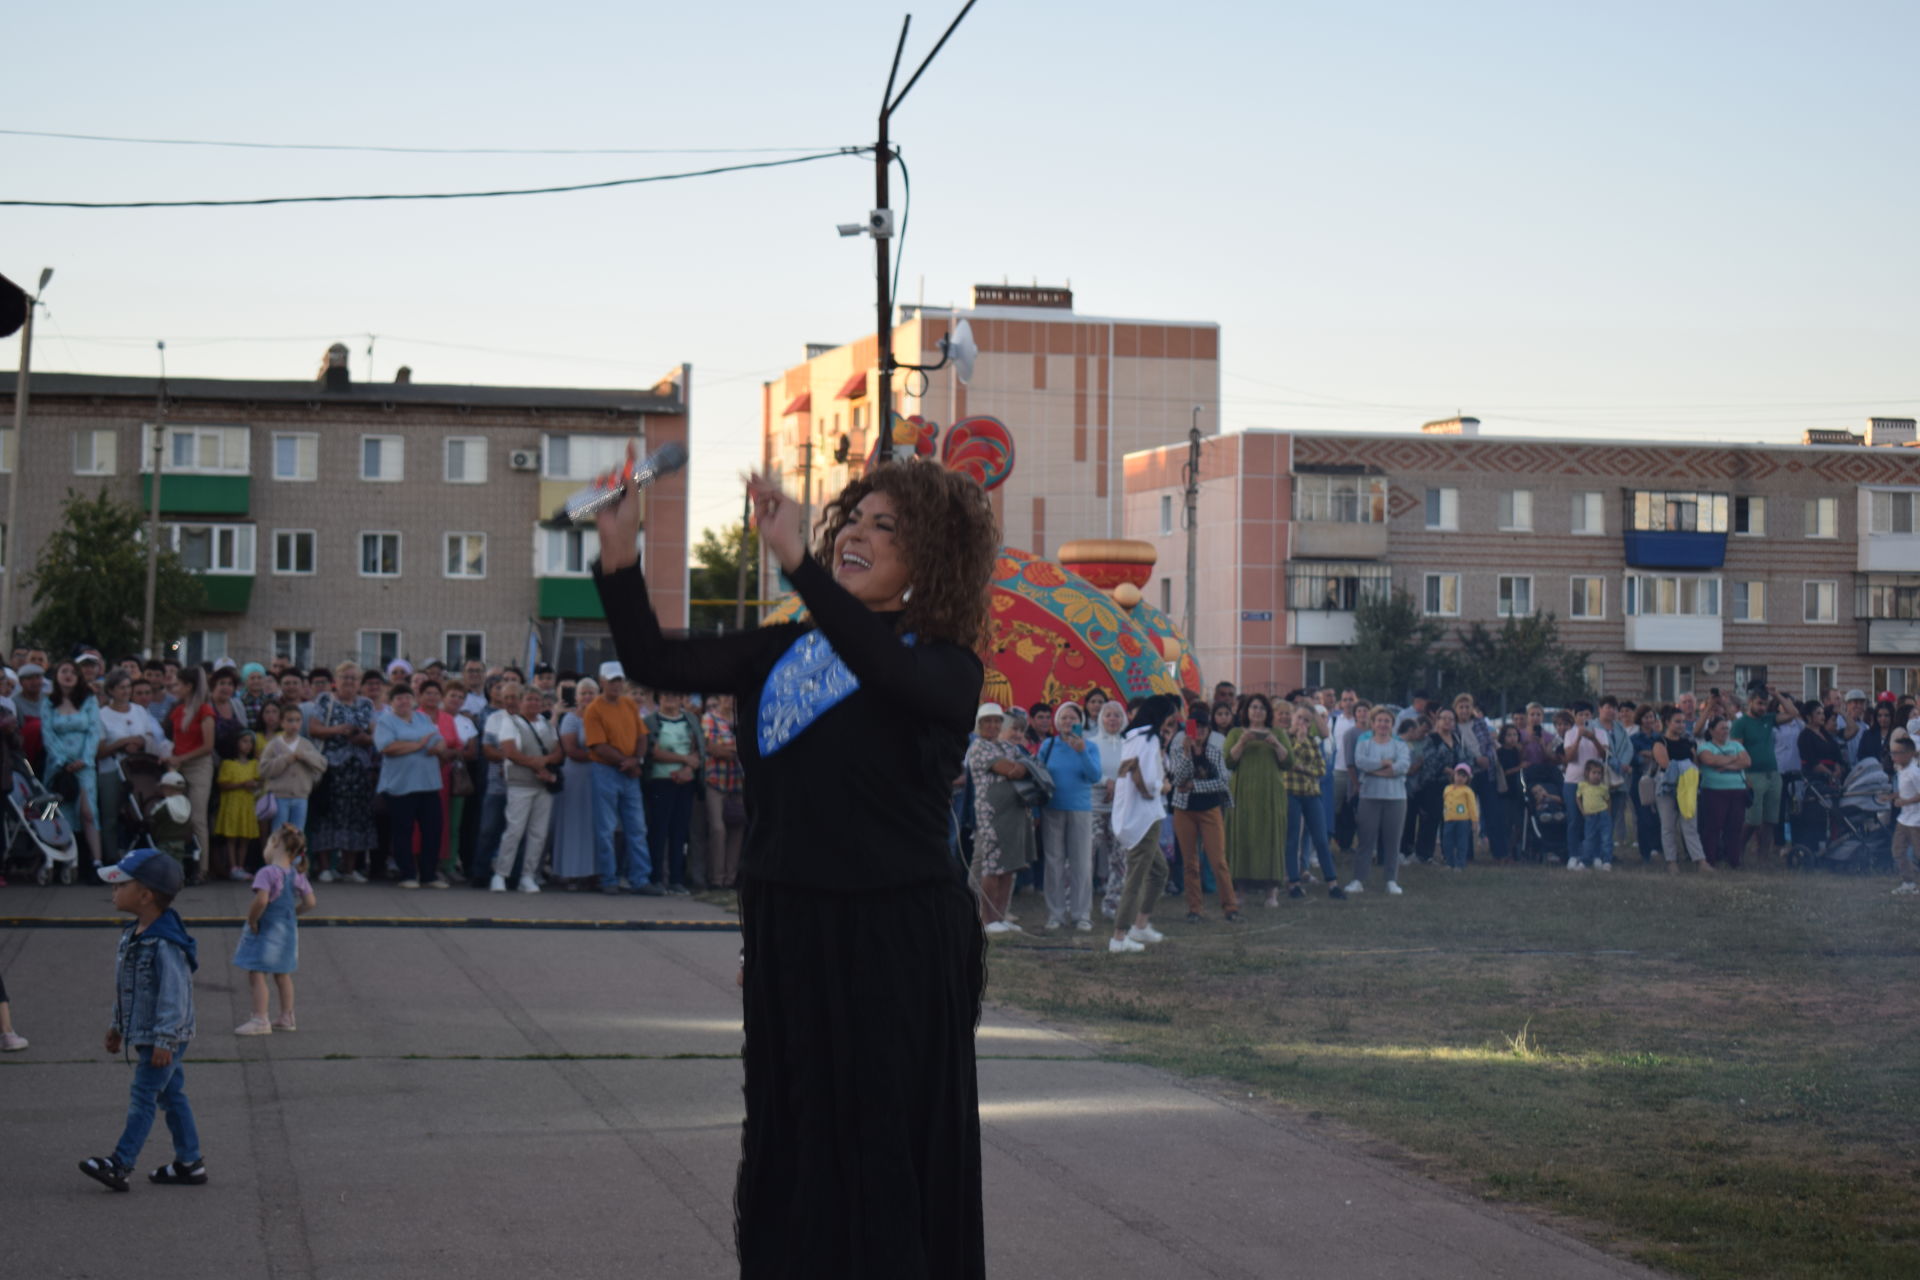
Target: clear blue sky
[(1687, 218)]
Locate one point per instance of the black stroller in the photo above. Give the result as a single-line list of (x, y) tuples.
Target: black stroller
[(37, 837), (1858, 814), (1545, 836)]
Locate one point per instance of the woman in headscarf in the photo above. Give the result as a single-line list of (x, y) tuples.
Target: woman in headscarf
[(343, 826), (1003, 835), (574, 845)]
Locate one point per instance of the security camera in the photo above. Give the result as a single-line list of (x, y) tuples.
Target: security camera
[(880, 223), (851, 228)]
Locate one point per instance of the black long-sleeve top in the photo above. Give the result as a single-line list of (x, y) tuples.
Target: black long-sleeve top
[(860, 798)]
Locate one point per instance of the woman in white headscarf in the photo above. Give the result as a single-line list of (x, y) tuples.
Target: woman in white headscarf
[(573, 838)]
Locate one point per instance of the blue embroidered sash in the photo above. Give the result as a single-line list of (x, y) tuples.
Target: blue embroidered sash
[(808, 681)]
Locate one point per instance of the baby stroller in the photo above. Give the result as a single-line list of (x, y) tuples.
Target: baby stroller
[(36, 835), (1859, 817), (1545, 836), (141, 775)]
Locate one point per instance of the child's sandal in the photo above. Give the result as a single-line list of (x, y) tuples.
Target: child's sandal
[(175, 1174)]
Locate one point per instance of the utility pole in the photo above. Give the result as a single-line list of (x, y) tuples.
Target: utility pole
[(1192, 472), (740, 580), (806, 487), (153, 506), (10, 536)]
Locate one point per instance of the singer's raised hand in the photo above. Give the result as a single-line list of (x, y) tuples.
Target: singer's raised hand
[(619, 520), (778, 519)]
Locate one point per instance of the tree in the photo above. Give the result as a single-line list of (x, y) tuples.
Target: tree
[(1392, 652), (90, 583), (716, 576), (1522, 662)]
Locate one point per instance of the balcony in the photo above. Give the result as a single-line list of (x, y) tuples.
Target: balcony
[(570, 598), (1890, 635), (1675, 550), (1890, 553), (198, 495), (1339, 540), (1673, 633), (1315, 627)]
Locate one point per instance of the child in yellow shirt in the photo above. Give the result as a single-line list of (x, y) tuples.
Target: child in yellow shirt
[(1459, 815), (1596, 810)]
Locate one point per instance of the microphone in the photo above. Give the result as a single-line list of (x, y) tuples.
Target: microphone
[(579, 509)]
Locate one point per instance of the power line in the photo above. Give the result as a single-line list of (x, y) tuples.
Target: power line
[(412, 151), (433, 195)]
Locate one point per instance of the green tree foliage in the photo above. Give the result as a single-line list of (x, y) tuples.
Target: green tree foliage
[(1393, 648), (715, 576), (1524, 661), (90, 584)]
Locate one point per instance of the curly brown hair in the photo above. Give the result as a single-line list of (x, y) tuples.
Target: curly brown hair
[(948, 534)]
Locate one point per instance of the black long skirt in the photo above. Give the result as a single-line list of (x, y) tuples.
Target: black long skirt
[(860, 1156)]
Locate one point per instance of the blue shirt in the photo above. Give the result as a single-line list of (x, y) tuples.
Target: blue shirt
[(1074, 774), (417, 770), (1369, 755)]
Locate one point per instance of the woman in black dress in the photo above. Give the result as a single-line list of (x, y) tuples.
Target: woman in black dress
[(864, 960)]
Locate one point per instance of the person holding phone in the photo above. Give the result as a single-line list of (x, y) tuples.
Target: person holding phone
[(1066, 824), (1257, 756)]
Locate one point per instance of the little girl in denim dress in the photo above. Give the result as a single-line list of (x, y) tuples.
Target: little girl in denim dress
[(270, 942)]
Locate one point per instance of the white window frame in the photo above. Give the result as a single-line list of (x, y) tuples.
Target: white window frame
[(1447, 520), (543, 541), (1682, 676), (1507, 608), (1756, 506), (1575, 595), (290, 647), (1427, 584), (312, 438), (1517, 507), (1166, 515), (1878, 498), (1815, 507), (377, 663), (1585, 503), (91, 437), (473, 448), (399, 445), (1633, 598), (446, 556), (1831, 590), (6, 451), (228, 435), (1751, 619), (1816, 676), (245, 545), (447, 656), (399, 551), (313, 558), (184, 645), (608, 455)]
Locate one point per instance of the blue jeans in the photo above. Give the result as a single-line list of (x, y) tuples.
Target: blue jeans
[(1456, 841), (1596, 845), (1307, 821), (289, 812), (616, 803), (669, 821), (493, 825), (411, 811), (165, 1087), (1494, 822), (1576, 821)]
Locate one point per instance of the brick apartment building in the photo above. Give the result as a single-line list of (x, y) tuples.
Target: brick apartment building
[(1077, 392), (332, 519), (1678, 565)]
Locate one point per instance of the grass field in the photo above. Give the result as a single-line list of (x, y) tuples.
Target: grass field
[(1720, 1074)]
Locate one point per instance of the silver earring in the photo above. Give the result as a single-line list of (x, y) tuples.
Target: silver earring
[(906, 595)]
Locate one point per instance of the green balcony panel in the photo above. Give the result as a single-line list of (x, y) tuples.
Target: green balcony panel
[(226, 592), (570, 598), (198, 495)]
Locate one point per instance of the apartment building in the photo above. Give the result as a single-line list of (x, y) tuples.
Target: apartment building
[(332, 519), (1679, 566), (1078, 392)]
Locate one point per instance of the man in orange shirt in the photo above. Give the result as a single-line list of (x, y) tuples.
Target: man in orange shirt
[(616, 740)]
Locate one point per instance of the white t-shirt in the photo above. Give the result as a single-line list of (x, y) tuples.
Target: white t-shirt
[(1133, 813), (508, 728), (1580, 750), (1341, 723), (1910, 786)]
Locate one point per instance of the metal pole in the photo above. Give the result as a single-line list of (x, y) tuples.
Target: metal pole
[(1193, 529), (11, 547), (153, 507), (740, 578), (883, 282)]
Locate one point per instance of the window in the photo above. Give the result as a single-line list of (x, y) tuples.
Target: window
[(1666, 683), (567, 553), (383, 458), (1893, 512), (293, 551), (1443, 593), (1516, 510), (1514, 596), (6, 449), (1822, 602), (93, 452), (1314, 672), (198, 450), (296, 456), (197, 647), (1888, 595), (1749, 517), (1658, 511), (1589, 514), (461, 647), (1166, 514), (1341, 499), (1166, 596), (1747, 601), (1745, 678), (467, 460), (295, 646), (379, 555), (1443, 508), (1589, 598), (1330, 584), (1650, 594), (1898, 681), (378, 648), (212, 548), (1595, 675), (3, 548), (580, 457), (466, 555), (1815, 678), (1823, 517)]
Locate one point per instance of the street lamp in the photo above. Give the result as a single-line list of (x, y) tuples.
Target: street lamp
[(10, 536)]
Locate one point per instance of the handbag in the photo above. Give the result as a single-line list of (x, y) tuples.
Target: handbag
[(460, 781), (266, 808), (1037, 787)]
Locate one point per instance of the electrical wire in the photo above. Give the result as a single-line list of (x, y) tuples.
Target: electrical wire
[(432, 195), (411, 151), (906, 212)]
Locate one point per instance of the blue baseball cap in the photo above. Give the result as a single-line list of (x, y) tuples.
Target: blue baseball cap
[(149, 867)]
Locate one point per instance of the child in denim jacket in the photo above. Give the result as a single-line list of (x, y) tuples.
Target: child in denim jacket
[(152, 1012)]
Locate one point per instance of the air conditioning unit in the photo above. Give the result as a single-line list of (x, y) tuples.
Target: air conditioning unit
[(1710, 665), (523, 459)]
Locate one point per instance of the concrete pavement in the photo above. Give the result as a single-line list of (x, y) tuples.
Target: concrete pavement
[(465, 1101)]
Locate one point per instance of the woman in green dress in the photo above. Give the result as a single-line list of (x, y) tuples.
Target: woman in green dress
[(1257, 836)]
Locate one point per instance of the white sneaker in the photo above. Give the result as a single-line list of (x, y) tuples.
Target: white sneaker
[(409, 884), (11, 1043), (254, 1027), (1603, 866), (235, 874), (498, 884), (326, 877), (356, 877), (1356, 887), (1118, 945), (998, 927), (1083, 926), (1574, 864), (529, 886), (1393, 887), (1054, 924), (1145, 933), (1908, 886)]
